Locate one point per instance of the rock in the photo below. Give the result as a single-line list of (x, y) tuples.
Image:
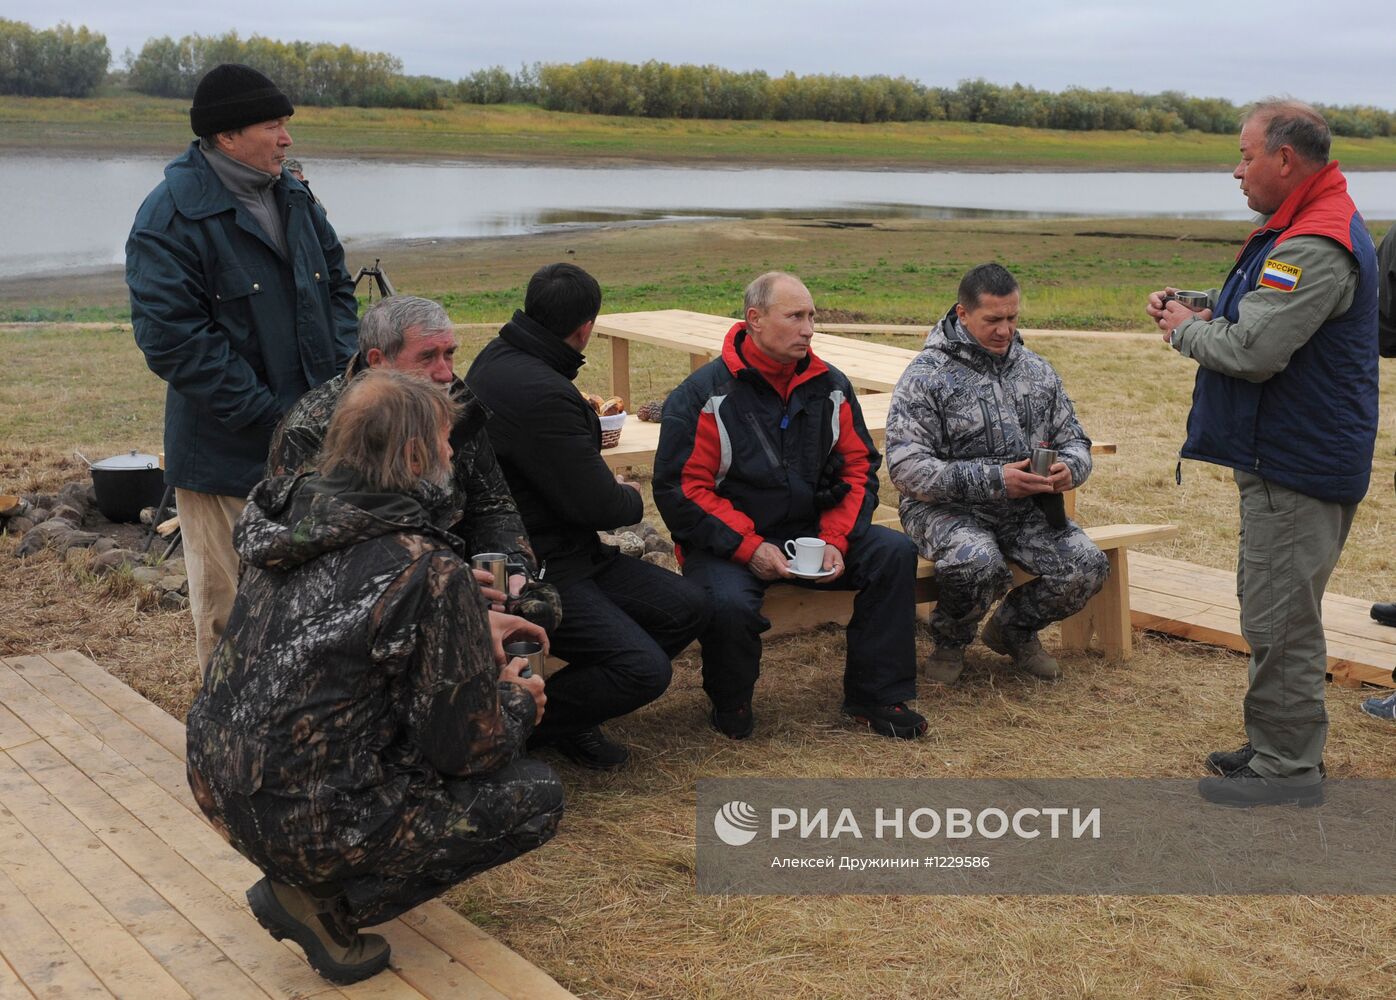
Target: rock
[(18, 525), (175, 582), (148, 575), (113, 560), (630, 544), (658, 543), (104, 543), (49, 534), (29, 545), (174, 567), (77, 495), (69, 513), (39, 514), (635, 529), (78, 540), (662, 559), (173, 601)]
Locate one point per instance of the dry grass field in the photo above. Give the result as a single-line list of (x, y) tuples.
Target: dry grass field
[(609, 908)]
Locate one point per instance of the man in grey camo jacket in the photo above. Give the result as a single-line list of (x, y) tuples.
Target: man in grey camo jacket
[(964, 419)]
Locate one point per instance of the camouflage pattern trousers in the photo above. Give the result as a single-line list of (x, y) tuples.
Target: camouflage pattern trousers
[(490, 820), (971, 548)]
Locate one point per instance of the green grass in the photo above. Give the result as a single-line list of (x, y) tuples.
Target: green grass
[(131, 123)]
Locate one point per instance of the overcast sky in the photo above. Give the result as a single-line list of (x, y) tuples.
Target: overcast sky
[(1335, 53)]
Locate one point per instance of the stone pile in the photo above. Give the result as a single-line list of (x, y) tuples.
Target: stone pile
[(643, 541), (70, 524)]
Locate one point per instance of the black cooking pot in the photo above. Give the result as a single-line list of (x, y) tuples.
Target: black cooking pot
[(127, 484)]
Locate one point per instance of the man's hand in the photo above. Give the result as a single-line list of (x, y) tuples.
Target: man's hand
[(624, 482), (833, 560), (1155, 306), (1171, 314), (505, 628), (1060, 478), (533, 685), (769, 563), (1019, 482), (493, 596)]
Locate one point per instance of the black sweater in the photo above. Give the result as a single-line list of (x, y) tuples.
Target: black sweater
[(548, 441)]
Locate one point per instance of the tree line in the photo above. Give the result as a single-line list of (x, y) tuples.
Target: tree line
[(60, 62), (72, 62)]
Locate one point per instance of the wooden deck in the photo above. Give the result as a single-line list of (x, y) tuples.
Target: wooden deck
[(1198, 602), (112, 884)]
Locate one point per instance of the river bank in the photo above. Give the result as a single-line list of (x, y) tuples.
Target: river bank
[(134, 124)]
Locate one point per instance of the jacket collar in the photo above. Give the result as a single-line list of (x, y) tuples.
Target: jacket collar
[(807, 368), (1320, 206), (534, 339), (951, 336), (198, 192)]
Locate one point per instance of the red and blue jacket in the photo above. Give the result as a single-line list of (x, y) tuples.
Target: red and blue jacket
[(1312, 426), (739, 463)]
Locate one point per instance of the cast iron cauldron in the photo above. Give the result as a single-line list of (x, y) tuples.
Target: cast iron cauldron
[(126, 484)]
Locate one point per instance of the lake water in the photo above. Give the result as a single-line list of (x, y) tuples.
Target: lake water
[(69, 213)]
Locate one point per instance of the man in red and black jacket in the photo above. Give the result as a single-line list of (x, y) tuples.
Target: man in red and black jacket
[(764, 445)]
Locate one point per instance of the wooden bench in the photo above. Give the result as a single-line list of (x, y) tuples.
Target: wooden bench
[(1106, 616)]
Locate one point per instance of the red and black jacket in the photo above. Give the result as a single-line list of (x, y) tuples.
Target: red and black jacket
[(738, 465)]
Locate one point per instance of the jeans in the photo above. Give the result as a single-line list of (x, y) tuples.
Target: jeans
[(880, 668), (620, 629)]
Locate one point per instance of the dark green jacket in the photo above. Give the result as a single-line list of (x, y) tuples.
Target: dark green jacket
[(237, 331)]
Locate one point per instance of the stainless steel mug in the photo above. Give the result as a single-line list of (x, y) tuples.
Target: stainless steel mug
[(530, 651)]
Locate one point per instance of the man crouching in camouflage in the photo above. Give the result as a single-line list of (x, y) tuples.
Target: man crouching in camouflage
[(964, 419), (356, 737)]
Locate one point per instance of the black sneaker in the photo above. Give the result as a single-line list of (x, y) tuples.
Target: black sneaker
[(1244, 788), (318, 925), (591, 748), (889, 720), (734, 723), (1223, 762), (1384, 614)]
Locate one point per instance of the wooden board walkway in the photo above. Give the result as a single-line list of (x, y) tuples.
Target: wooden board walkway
[(113, 885), (1198, 602)]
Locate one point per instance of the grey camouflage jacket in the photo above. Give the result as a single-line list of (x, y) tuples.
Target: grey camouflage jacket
[(960, 413), (355, 672)]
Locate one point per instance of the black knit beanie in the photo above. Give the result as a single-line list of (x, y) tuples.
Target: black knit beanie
[(232, 96)]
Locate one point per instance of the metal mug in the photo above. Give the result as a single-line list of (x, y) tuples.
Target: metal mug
[(1042, 461), (497, 564), (1196, 301), (530, 651)]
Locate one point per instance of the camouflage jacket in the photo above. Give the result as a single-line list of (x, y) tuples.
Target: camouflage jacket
[(960, 413), (484, 514), (355, 672)]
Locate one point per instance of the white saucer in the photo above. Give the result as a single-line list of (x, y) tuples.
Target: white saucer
[(813, 576)]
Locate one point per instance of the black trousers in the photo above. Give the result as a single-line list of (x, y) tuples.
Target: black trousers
[(620, 629), (881, 662)]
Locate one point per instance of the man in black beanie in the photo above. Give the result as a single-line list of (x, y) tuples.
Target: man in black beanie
[(241, 301)]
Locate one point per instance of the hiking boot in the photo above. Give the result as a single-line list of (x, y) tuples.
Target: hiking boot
[(735, 723), (1028, 655), (1384, 614), (592, 748), (896, 721), (946, 664), (1382, 709), (318, 924), (1223, 762), (1244, 788)]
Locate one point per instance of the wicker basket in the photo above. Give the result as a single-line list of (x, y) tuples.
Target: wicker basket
[(610, 429)]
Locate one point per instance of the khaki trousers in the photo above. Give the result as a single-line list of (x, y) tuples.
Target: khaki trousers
[(1289, 545), (206, 525)]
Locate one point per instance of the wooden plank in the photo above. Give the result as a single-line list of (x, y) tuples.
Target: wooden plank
[(173, 941), (13, 731), (42, 960), (423, 964), (10, 986), (95, 935), (620, 370), (273, 967), (506, 970), (159, 725)]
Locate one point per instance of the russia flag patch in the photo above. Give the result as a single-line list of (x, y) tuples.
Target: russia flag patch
[(1279, 276)]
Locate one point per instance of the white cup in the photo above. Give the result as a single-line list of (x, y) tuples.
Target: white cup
[(806, 555)]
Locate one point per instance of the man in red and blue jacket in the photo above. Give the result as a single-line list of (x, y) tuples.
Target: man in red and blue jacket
[(764, 445), (1286, 396)]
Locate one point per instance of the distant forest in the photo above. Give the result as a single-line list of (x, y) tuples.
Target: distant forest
[(73, 62)]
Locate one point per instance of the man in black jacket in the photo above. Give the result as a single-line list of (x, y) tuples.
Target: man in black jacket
[(623, 620)]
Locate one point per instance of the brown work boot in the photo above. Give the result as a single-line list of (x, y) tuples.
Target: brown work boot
[(946, 664), (1028, 655), (317, 923)]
